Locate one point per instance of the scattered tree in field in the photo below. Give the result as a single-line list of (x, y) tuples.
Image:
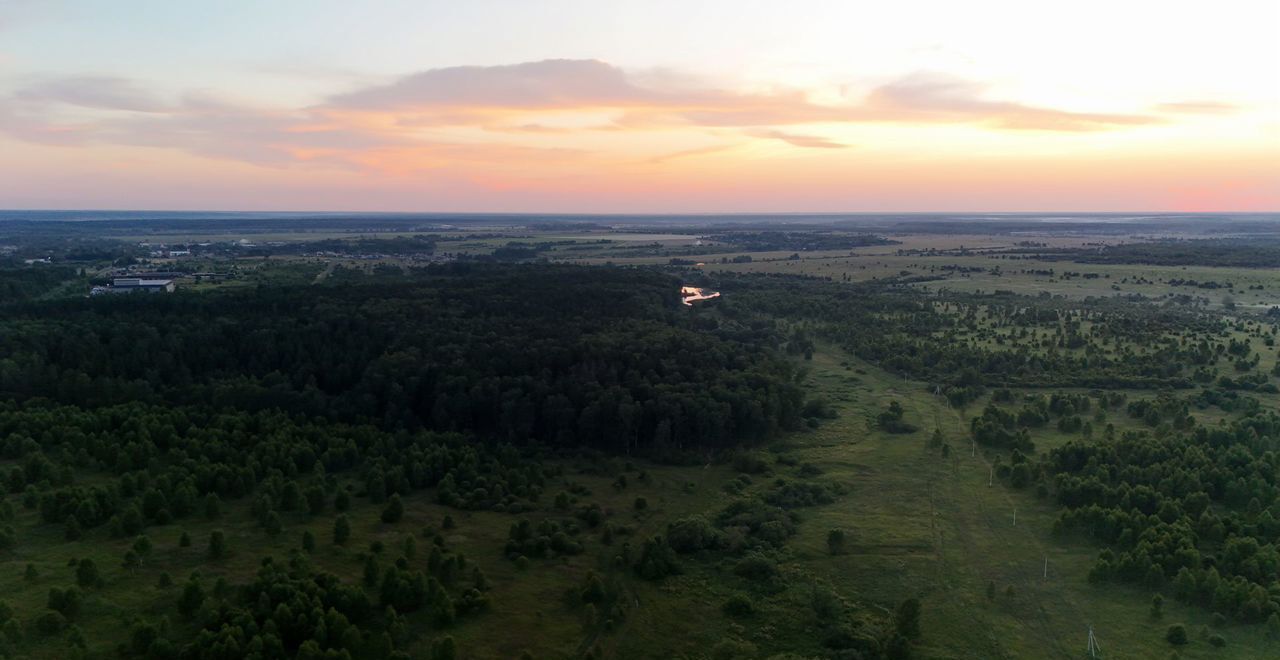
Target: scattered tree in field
[(217, 544), (836, 541), (87, 573), (394, 511), (907, 618), (191, 599), (891, 419), (341, 530), (444, 649)]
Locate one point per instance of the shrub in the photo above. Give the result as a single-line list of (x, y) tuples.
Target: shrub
[(691, 534), (1177, 634), (835, 541), (51, 623), (738, 605), (394, 510), (341, 530), (217, 544), (755, 566)]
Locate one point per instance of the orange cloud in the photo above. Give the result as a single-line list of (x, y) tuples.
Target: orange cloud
[(550, 111), (1198, 107)]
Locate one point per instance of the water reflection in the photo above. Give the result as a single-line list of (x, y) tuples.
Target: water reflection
[(692, 293)]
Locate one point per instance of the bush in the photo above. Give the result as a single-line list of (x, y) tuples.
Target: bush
[(217, 544), (835, 541), (1177, 634), (732, 649), (1218, 641), (657, 560), (87, 573), (341, 530), (755, 566), (738, 605), (51, 623), (691, 535), (394, 510), (907, 618)]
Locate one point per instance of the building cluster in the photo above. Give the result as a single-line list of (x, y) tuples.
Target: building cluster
[(135, 285)]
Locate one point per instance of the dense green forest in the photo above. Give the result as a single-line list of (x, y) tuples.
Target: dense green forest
[(554, 355), (124, 416)]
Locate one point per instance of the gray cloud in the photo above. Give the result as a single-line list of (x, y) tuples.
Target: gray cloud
[(106, 93), (544, 84), (934, 98), (463, 94)]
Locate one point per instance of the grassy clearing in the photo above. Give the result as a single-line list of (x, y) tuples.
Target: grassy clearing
[(932, 527)]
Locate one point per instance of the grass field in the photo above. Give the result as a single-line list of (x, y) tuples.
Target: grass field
[(934, 528)]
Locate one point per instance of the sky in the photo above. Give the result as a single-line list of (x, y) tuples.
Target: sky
[(614, 106)]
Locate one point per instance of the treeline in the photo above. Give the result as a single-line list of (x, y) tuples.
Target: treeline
[(25, 283), (552, 355), (765, 241), (1231, 252)]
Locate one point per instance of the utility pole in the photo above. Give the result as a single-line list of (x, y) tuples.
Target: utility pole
[(1015, 516), (1095, 651), (991, 476), (1046, 567)]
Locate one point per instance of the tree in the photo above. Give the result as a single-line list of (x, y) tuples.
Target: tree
[(191, 599), (308, 541), (394, 510), (444, 649), (142, 546), (212, 506), (1157, 606), (87, 573), (217, 544), (273, 524), (593, 592), (72, 530), (991, 590), (835, 541), (907, 618), (1176, 634), (341, 530), (738, 605)]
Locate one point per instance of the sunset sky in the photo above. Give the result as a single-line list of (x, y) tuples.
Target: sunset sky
[(650, 106)]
